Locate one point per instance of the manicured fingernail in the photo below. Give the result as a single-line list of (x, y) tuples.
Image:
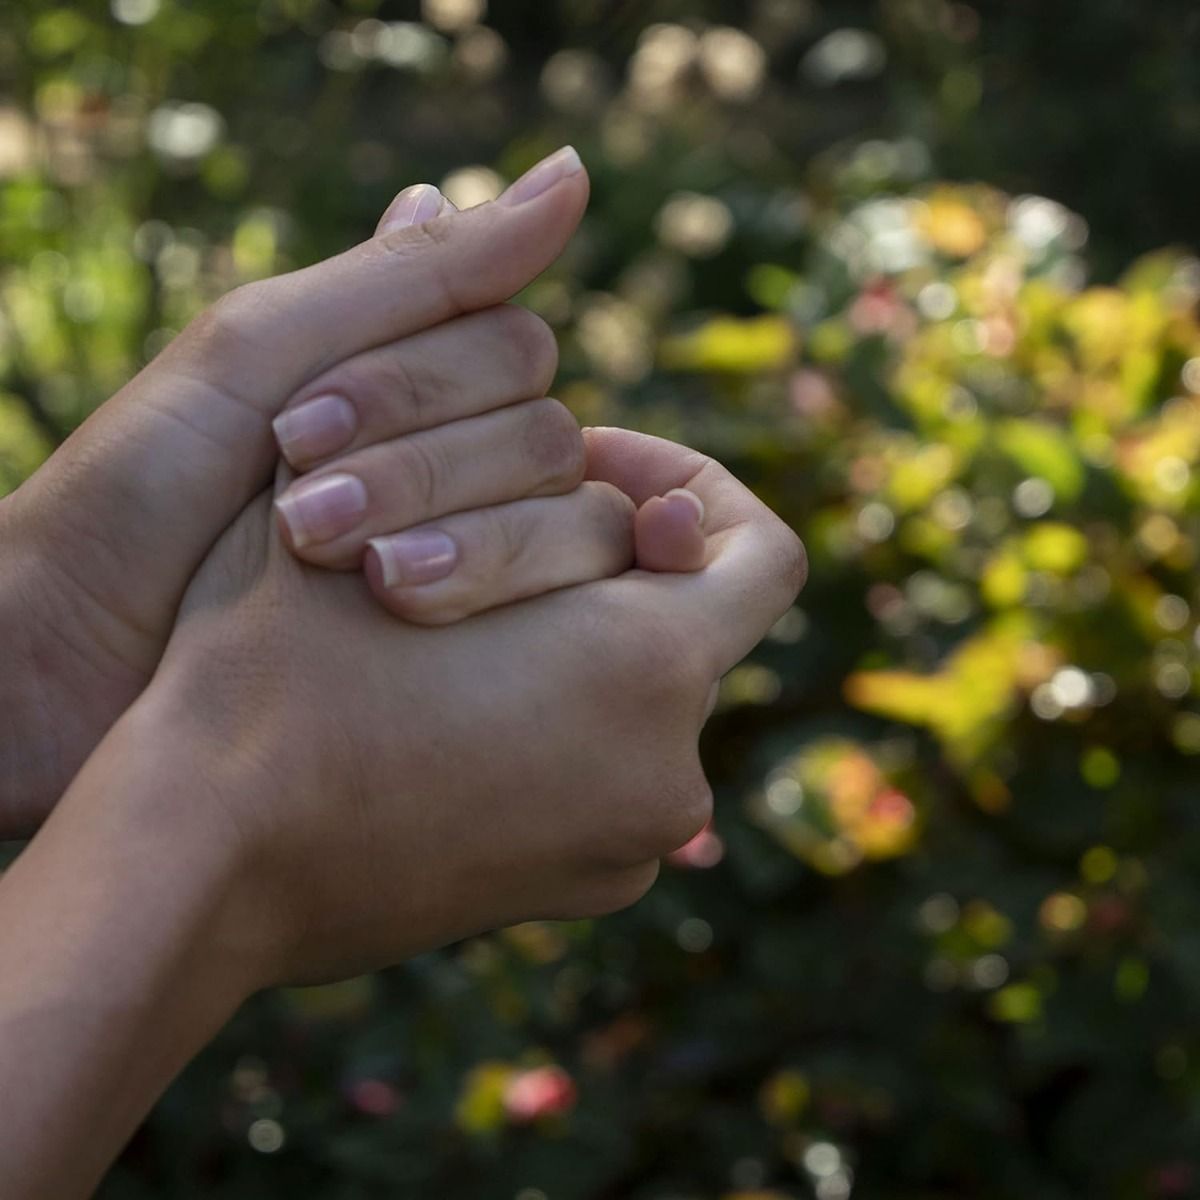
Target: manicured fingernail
[(683, 496), (316, 510), (542, 177), (320, 426), (414, 206), (416, 557)]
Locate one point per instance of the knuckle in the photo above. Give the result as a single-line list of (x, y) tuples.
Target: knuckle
[(793, 561), (224, 332), (684, 809), (422, 469), (413, 241), (612, 512), (386, 389), (427, 244), (535, 347), (610, 503), (671, 808), (405, 392), (621, 890), (554, 442), (507, 539)]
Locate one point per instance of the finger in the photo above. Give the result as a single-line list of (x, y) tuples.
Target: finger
[(283, 331), (414, 206), (464, 564), (755, 564), (461, 368), (528, 449), (670, 532)]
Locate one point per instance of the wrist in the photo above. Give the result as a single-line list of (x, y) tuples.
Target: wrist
[(168, 799)]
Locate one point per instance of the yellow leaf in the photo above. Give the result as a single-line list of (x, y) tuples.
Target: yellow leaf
[(952, 226), (1043, 450), (784, 1097), (480, 1108), (1019, 1003), (962, 703), (919, 473), (1004, 579), (1054, 547), (744, 345)]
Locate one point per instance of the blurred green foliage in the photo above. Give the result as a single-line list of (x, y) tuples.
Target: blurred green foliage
[(944, 938)]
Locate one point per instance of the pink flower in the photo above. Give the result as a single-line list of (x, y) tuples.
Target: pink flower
[(879, 309), (891, 806), (540, 1092)]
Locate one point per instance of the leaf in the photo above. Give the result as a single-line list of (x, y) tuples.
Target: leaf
[(1055, 547), (964, 704), (742, 345), (1045, 451)]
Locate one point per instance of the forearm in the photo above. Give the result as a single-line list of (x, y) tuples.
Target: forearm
[(114, 967), (44, 654), (23, 751)]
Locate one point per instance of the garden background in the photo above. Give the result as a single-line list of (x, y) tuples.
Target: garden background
[(918, 271)]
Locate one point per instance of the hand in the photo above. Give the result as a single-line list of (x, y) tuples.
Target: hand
[(99, 545), (462, 492), (309, 788), (421, 458), (390, 788)]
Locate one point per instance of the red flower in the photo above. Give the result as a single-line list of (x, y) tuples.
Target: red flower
[(540, 1092)]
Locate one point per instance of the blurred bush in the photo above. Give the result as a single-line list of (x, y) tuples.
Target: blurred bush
[(944, 937)]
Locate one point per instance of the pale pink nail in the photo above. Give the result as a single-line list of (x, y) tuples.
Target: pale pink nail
[(542, 177), (320, 426), (321, 508), (414, 206), (415, 557), (682, 495)]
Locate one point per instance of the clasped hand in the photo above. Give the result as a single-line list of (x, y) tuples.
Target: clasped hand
[(443, 668)]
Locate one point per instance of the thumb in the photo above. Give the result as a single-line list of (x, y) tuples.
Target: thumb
[(669, 532)]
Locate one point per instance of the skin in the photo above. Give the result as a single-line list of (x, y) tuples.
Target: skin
[(100, 544), (265, 812)]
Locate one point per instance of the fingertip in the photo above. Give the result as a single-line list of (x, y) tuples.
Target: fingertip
[(414, 205), (279, 508), (668, 533), (560, 171), (375, 573), (401, 602), (682, 495)]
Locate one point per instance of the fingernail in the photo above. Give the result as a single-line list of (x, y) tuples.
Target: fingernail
[(683, 495), (412, 558), (413, 206), (317, 427), (316, 510), (543, 176)]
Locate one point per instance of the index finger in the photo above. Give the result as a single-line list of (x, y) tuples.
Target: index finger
[(756, 565)]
